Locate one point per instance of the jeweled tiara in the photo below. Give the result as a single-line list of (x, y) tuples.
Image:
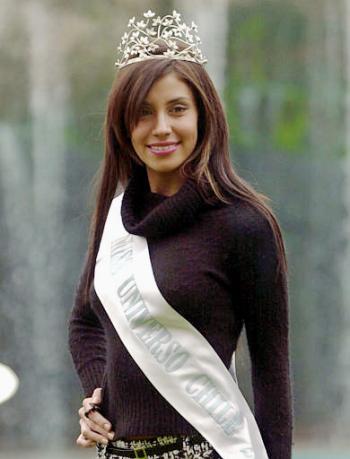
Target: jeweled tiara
[(146, 36)]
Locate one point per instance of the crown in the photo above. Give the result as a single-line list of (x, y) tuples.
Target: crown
[(145, 37)]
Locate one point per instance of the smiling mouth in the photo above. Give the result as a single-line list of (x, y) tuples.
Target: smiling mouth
[(163, 149)]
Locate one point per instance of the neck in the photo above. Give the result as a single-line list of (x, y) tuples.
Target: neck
[(166, 184), (154, 215)]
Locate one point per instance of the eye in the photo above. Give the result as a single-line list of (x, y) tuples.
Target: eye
[(144, 111), (179, 108)]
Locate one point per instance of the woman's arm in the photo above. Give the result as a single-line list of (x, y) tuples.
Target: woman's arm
[(265, 303), (86, 341)]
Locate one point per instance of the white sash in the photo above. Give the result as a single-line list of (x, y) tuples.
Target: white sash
[(173, 355)]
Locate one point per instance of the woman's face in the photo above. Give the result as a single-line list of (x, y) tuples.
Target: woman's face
[(166, 132)]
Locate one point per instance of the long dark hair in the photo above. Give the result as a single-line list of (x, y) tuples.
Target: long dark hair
[(209, 164)]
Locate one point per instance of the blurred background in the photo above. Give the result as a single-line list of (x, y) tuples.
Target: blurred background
[(283, 70)]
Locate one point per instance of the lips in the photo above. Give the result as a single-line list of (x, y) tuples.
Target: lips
[(163, 148)]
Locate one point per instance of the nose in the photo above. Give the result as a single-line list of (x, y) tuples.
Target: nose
[(162, 125)]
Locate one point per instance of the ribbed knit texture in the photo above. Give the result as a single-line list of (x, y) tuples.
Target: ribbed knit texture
[(215, 265)]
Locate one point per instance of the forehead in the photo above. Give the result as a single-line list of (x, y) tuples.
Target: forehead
[(167, 88)]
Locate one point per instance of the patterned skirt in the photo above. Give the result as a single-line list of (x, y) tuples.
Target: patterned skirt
[(163, 447)]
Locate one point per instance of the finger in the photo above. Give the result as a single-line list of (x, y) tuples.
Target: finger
[(84, 442), (100, 429), (100, 420), (97, 395), (88, 403), (87, 408), (92, 409), (89, 434)]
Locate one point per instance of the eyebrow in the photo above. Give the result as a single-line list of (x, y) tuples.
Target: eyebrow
[(172, 101)]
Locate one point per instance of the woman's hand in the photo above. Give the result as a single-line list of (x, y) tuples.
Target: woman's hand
[(95, 428)]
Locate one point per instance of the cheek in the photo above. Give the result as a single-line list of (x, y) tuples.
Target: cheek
[(136, 137), (190, 130)]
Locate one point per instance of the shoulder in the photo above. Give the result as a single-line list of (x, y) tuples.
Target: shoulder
[(255, 248), (242, 220)]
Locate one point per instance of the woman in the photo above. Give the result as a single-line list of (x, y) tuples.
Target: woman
[(182, 253)]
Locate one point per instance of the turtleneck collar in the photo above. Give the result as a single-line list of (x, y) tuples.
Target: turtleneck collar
[(166, 213)]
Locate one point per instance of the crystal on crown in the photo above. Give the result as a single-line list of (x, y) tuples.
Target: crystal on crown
[(145, 36)]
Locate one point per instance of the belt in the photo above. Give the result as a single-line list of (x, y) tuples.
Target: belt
[(143, 452)]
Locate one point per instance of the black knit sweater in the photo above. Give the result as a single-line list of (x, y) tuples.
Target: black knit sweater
[(215, 265)]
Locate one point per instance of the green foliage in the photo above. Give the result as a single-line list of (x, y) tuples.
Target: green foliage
[(266, 93), (290, 131)]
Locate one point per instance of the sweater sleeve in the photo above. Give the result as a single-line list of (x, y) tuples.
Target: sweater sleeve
[(264, 303), (86, 341)]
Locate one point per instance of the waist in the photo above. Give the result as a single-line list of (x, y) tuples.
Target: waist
[(149, 441), (150, 446)]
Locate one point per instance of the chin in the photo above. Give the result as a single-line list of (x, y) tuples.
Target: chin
[(165, 171), (165, 167)]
